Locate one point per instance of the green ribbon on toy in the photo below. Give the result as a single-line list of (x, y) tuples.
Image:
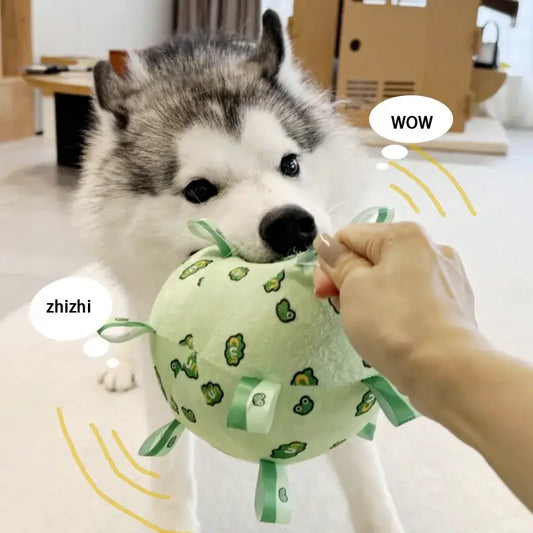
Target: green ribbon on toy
[(253, 405), (162, 440), (395, 406), (133, 329), (368, 431), (203, 229), (271, 493), (381, 215)]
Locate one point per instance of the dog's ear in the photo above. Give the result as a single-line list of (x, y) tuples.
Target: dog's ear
[(111, 92), (271, 49)]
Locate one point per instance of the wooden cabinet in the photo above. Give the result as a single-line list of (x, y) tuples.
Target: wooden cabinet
[(16, 98)]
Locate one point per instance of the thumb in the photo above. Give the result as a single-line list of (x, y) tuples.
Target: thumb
[(336, 260)]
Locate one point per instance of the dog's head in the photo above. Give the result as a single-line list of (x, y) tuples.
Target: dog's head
[(217, 128)]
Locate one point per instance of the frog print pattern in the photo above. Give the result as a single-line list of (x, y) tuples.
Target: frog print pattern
[(284, 311), (212, 392), (288, 451), (195, 267), (189, 415), (191, 366), (175, 366), (274, 284), (234, 351), (304, 407), (367, 402), (304, 377), (187, 341), (238, 273)]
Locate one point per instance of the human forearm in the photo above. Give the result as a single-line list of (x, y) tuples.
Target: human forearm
[(486, 399)]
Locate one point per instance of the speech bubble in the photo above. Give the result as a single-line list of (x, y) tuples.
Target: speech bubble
[(70, 309), (411, 119)]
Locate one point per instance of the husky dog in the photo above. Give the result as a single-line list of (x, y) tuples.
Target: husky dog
[(229, 130)]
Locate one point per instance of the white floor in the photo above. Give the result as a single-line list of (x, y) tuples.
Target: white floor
[(439, 485)]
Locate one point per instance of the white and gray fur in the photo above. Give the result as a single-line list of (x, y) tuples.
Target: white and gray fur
[(225, 110)]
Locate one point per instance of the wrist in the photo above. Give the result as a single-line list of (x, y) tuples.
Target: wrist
[(442, 368)]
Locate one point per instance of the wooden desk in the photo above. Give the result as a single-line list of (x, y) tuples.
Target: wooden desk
[(80, 84), (70, 110)]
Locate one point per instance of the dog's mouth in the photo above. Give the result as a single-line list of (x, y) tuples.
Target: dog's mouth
[(272, 258)]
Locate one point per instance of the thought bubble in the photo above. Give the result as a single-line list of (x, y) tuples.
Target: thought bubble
[(394, 151), (411, 119), (70, 309), (96, 347)]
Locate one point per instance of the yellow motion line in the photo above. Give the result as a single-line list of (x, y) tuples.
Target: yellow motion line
[(420, 183), (447, 173), (95, 487), (118, 473), (410, 201), (130, 458)]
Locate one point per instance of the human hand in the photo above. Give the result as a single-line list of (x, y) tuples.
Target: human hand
[(399, 295)]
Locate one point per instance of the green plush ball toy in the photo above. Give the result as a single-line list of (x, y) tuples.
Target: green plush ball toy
[(252, 362)]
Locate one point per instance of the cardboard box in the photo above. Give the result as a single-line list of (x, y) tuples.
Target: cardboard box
[(371, 50)]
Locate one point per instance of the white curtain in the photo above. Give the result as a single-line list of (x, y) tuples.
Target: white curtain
[(513, 104), (229, 16)]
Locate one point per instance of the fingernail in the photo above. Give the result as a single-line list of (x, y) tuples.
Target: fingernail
[(328, 249)]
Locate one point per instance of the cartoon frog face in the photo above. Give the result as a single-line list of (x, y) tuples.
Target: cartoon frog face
[(195, 267), (284, 311), (274, 284), (212, 393), (367, 402), (238, 273), (175, 366), (304, 407), (234, 351), (259, 399)]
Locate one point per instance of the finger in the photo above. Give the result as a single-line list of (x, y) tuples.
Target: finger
[(447, 251), (336, 260), (336, 303), (371, 241), (324, 287), (366, 240)]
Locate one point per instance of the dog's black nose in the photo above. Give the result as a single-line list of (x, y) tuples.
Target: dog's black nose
[(288, 230)]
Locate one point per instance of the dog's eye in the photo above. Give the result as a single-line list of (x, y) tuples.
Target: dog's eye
[(199, 191), (289, 166)]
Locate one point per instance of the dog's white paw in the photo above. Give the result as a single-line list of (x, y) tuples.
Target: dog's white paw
[(119, 379)]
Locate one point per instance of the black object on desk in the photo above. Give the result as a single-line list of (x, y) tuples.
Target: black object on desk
[(73, 120)]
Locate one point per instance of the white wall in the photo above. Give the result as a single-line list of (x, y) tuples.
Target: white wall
[(93, 27), (283, 7)]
